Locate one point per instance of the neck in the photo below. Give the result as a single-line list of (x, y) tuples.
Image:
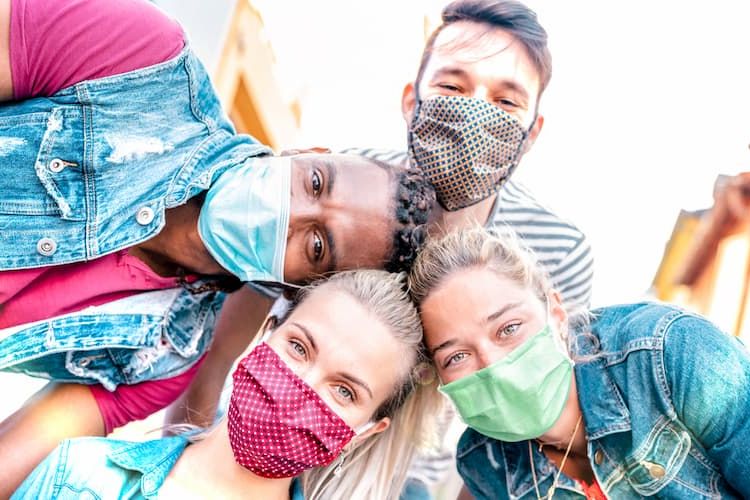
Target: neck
[(561, 433), (207, 468), (443, 221), (178, 245)]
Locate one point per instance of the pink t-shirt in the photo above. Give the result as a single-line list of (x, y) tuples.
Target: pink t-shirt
[(34, 294), (55, 44)]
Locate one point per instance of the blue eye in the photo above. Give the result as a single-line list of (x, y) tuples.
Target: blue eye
[(298, 348), (509, 330), (459, 356), (345, 393)]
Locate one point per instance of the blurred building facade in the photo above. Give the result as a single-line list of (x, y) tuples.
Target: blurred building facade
[(228, 37)]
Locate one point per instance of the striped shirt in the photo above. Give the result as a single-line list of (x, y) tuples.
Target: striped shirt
[(559, 246)]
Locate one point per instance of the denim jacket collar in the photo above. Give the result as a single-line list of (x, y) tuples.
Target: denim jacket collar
[(153, 459)]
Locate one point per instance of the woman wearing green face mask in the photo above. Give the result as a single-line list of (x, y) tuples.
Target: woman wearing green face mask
[(636, 400)]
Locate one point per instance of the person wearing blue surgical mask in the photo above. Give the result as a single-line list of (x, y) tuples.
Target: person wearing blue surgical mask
[(630, 401), (129, 205)]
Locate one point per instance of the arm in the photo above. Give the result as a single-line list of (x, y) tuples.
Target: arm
[(239, 320), (55, 413), (708, 377)]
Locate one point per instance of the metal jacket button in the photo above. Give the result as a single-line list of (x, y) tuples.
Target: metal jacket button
[(598, 457), (46, 246), (57, 165), (144, 216), (655, 470)]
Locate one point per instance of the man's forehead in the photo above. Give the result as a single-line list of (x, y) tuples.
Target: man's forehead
[(475, 41)]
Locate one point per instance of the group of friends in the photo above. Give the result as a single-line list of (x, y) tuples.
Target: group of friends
[(149, 254)]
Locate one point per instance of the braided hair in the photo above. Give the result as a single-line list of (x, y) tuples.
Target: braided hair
[(415, 198)]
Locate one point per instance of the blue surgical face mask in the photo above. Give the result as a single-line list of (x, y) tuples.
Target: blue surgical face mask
[(244, 220)]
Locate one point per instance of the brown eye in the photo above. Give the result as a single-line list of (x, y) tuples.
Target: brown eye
[(316, 182), (317, 246)]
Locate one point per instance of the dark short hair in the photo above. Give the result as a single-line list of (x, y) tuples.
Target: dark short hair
[(508, 15), (414, 201)]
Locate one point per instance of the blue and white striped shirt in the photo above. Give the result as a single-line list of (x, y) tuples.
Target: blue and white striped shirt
[(559, 246)]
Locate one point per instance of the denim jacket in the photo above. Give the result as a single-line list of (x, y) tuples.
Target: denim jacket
[(665, 402), (101, 468), (90, 171), (147, 336)]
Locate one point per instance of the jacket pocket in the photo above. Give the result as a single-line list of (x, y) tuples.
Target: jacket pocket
[(41, 163), (663, 465)]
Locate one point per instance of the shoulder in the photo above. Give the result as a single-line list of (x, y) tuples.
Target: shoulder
[(626, 327), (518, 208), (481, 461), (75, 463)]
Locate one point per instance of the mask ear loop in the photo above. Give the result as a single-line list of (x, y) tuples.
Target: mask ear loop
[(342, 458)]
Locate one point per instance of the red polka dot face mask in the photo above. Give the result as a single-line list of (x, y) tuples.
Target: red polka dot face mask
[(278, 426)]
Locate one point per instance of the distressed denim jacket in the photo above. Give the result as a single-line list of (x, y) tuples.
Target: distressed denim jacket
[(90, 171), (665, 401), (146, 336), (101, 468)]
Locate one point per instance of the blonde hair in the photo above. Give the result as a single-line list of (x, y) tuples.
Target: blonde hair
[(504, 254), (376, 468), (476, 248)]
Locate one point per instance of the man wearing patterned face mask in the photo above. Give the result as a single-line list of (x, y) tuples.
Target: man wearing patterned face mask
[(471, 114)]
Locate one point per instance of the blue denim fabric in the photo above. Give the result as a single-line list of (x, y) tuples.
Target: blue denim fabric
[(665, 404), (101, 468), (147, 336), (92, 169)]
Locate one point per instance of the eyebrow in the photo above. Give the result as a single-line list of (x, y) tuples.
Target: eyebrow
[(330, 170), (307, 334), (449, 71), (501, 311), (356, 381), (491, 317)]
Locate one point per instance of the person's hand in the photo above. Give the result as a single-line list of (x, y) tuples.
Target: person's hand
[(732, 202)]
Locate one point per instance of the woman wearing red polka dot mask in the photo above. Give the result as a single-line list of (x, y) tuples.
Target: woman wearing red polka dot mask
[(330, 397)]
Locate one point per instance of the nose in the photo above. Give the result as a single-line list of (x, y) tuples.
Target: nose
[(488, 354), (302, 210), (313, 377), (481, 92)]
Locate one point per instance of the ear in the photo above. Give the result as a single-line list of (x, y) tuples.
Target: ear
[(558, 316), (408, 101), (533, 133), (379, 427), (269, 324), (314, 149)]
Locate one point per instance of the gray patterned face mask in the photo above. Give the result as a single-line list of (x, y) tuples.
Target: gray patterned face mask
[(467, 147)]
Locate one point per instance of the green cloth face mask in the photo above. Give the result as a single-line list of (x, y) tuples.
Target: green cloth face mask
[(519, 397)]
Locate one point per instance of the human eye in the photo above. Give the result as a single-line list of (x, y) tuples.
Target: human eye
[(454, 358), (298, 348), (344, 393), (449, 87), (509, 330), (317, 246), (316, 181)]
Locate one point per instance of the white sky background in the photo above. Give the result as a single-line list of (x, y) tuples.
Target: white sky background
[(649, 102)]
